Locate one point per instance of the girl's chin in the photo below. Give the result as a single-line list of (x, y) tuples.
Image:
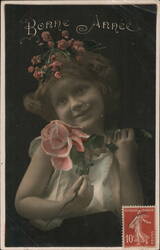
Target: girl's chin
[(90, 127)]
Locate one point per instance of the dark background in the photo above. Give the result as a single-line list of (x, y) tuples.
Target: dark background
[(133, 54)]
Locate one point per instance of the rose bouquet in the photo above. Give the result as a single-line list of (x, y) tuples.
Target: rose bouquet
[(67, 145)]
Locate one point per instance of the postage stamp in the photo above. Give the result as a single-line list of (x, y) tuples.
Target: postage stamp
[(139, 226)]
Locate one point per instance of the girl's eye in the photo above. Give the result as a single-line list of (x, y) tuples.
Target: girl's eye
[(80, 91), (61, 101)]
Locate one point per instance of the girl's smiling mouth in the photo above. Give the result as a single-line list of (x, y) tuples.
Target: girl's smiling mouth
[(81, 114)]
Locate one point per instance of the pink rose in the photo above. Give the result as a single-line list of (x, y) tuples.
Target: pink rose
[(77, 44), (70, 42), (52, 58), (50, 44), (30, 69), (36, 59), (65, 34), (58, 75), (38, 74), (57, 141), (46, 36), (62, 44), (55, 65)]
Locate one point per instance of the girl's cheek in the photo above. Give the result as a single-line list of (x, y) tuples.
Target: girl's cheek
[(62, 113)]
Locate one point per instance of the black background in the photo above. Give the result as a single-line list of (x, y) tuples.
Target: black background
[(133, 54)]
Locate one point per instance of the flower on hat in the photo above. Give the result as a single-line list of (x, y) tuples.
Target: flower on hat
[(70, 42), (30, 69), (46, 36), (62, 44), (36, 60), (58, 75), (38, 74), (58, 138), (55, 65), (50, 44), (49, 63), (65, 34), (52, 58)]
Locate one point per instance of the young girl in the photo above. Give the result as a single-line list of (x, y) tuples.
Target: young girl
[(78, 93)]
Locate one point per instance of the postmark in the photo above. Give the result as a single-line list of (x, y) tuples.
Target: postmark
[(139, 226)]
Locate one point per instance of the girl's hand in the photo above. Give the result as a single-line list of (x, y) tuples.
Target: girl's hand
[(72, 192), (85, 193), (126, 153), (78, 196)]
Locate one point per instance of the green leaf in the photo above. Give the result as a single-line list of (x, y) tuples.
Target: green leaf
[(94, 141)]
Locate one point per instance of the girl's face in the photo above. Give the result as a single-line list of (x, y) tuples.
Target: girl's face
[(79, 103)]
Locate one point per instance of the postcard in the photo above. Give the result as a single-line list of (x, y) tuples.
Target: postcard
[(80, 124)]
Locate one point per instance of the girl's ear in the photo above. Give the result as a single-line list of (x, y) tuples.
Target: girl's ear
[(31, 104)]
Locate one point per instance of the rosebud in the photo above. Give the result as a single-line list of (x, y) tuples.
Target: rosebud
[(70, 42), (52, 58), (57, 75), (55, 65), (36, 59), (30, 69), (50, 44), (38, 74), (62, 44), (46, 36), (65, 34)]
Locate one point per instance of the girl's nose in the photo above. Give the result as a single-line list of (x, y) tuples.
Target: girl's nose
[(75, 104)]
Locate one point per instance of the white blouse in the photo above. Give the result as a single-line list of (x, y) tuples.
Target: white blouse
[(100, 176)]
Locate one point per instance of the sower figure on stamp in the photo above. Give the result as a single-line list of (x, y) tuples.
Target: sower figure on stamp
[(136, 224), (79, 167)]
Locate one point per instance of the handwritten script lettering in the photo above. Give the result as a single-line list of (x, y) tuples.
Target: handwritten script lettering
[(32, 26)]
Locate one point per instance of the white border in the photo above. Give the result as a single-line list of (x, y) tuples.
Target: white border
[(2, 110), (84, 2)]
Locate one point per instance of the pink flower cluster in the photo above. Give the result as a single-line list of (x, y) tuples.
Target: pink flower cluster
[(55, 67), (58, 138), (52, 65), (46, 36), (36, 60), (75, 45)]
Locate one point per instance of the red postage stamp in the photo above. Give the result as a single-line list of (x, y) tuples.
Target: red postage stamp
[(139, 226)]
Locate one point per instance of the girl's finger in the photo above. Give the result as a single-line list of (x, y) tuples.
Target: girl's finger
[(83, 187), (130, 133), (76, 186)]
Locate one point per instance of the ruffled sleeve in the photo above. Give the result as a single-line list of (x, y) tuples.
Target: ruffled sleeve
[(44, 225), (34, 145)]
